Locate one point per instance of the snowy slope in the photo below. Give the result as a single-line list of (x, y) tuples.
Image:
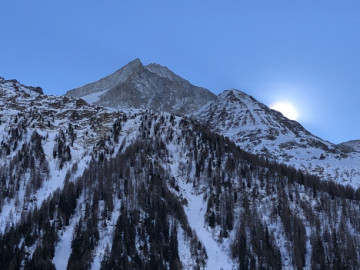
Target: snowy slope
[(89, 187), (234, 114), (82, 129), (24, 110), (260, 130)]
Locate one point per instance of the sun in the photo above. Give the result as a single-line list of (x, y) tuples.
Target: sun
[(286, 108)]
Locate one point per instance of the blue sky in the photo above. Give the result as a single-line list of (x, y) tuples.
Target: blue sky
[(305, 52)]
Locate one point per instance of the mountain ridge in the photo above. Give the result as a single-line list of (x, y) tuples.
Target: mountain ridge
[(86, 187), (141, 87), (233, 113), (265, 132)]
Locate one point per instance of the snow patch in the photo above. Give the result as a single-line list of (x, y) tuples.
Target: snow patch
[(63, 247), (94, 97)]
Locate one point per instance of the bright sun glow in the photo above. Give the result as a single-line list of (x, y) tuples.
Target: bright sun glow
[(286, 108)]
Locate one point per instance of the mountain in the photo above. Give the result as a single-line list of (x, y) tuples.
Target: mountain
[(263, 131), (144, 87), (86, 187), (247, 122), (350, 146)]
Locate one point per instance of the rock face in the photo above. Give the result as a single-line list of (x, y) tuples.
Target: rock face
[(152, 87)]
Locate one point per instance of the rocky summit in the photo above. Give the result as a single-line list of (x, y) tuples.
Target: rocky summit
[(152, 87)]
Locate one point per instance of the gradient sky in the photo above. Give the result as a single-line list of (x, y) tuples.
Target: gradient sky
[(304, 52)]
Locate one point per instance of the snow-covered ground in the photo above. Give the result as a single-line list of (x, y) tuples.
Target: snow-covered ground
[(94, 97), (259, 130), (218, 253), (63, 247), (106, 235), (49, 115)]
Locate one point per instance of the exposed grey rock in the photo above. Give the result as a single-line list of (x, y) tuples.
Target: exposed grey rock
[(152, 87)]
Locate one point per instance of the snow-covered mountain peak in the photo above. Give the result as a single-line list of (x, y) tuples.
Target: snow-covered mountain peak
[(235, 109), (238, 98), (234, 92), (260, 130)]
